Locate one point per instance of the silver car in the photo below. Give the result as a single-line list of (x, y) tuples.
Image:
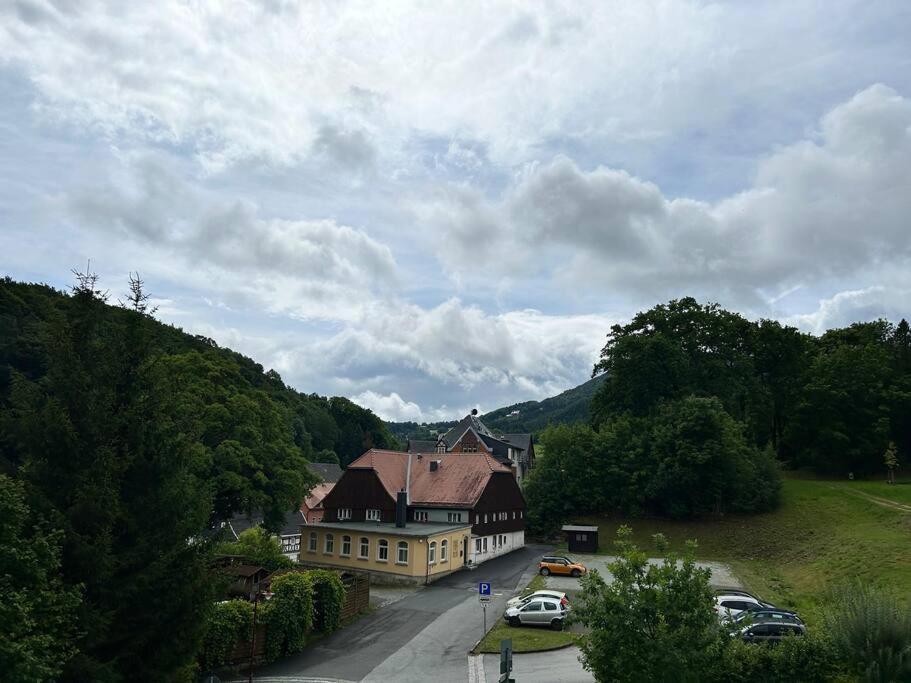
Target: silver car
[(519, 599), (538, 612)]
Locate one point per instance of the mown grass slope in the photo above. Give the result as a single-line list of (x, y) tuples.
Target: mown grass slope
[(825, 533)]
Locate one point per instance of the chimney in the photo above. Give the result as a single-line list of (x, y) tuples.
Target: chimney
[(401, 509), (434, 465)]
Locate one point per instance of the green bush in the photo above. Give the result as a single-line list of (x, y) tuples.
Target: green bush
[(289, 614), (809, 659), (228, 622), (328, 598), (871, 632), (259, 547)]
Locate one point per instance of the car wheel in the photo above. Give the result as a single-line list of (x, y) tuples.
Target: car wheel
[(576, 573), (514, 621), (545, 571), (557, 624)]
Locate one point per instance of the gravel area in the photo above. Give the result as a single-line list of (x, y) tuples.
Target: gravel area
[(722, 575)]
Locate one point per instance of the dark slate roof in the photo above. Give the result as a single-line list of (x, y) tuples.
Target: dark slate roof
[(419, 446), (290, 526), (522, 441), (498, 447), (329, 472), (474, 421)]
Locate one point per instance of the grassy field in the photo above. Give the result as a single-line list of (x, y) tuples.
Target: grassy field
[(825, 533)]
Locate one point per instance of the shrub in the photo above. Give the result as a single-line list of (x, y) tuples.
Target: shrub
[(809, 659), (871, 632), (653, 622), (259, 547), (328, 599), (289, 614), (228, 622)]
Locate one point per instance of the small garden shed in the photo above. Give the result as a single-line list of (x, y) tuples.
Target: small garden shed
[(581, 539)]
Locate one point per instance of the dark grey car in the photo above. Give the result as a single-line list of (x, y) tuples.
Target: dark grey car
[(771, 631)]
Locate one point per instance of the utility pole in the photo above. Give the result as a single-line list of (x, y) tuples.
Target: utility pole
[(253, 636)]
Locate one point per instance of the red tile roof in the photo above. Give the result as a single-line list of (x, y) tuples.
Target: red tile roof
[(316, 496), (459, 480)]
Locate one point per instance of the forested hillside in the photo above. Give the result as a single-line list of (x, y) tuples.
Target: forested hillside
[(567, 407), (121, 439)]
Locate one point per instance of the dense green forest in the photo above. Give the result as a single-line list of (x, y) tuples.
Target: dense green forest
[(699, 407), (122, 441)]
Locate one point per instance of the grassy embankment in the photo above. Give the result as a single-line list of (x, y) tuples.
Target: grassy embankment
[(825, 533), (525, 638)]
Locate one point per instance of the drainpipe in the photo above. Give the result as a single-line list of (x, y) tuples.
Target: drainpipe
[(408, 481)]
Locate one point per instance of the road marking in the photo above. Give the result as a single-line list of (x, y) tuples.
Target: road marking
[(476, 673)]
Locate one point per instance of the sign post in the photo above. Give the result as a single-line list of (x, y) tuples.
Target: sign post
[(506, 661), (484, 593)]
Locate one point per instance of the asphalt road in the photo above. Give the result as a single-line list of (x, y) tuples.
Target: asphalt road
[(423, 637)]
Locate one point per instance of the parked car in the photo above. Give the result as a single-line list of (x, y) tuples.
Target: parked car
[(770, 631), (729, 605), (557, 595), (558, 564), (538, 612), (756, 614)]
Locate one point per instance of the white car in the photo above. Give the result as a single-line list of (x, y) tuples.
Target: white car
[(557, 595), (728, 606)]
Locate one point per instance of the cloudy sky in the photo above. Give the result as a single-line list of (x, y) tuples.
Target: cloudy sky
[(430, 207)]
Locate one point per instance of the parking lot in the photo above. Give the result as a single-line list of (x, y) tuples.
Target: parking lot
[(722, 575)]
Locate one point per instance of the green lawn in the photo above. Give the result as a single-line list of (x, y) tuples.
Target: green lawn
[(525, 638), (900, 492), (822, 535)]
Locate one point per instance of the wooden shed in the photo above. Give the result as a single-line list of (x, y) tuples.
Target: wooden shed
[(581, 539)]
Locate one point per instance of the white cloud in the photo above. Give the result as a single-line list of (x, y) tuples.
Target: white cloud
[(390, 407), (311, 268), (854, 306), (830, 206)]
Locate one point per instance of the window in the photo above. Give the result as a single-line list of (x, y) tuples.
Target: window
[(441, 447), (344, 513), (382, 550), (520, 514), (485, 518), (330, 544), (364, 550), (346, 546), (533, 606), (373, 515), (581, 537), (513, 514), (444, 550), (421, 515), (402, 556), (433, 552), (477, 545), (502, 540), (312, 546), (550, 607), (485, 544), (454, 516)]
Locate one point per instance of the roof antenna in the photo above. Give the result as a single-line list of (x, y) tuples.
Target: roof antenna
[(474, 411)]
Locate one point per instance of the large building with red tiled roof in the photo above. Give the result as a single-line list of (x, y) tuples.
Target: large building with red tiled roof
[(447, 510)]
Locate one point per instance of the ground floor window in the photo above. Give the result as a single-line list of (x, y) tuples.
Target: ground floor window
[(346, 545), (330, 544), (402, 557), (382, 550), (364, 551), (312, 546), (485, 544), (444, 550), (477, 545), (433, 552)]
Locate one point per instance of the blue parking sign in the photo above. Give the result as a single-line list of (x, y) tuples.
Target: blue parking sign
[(483, 589)]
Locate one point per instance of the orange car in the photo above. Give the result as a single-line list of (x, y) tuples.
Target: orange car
[(557, 564)]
